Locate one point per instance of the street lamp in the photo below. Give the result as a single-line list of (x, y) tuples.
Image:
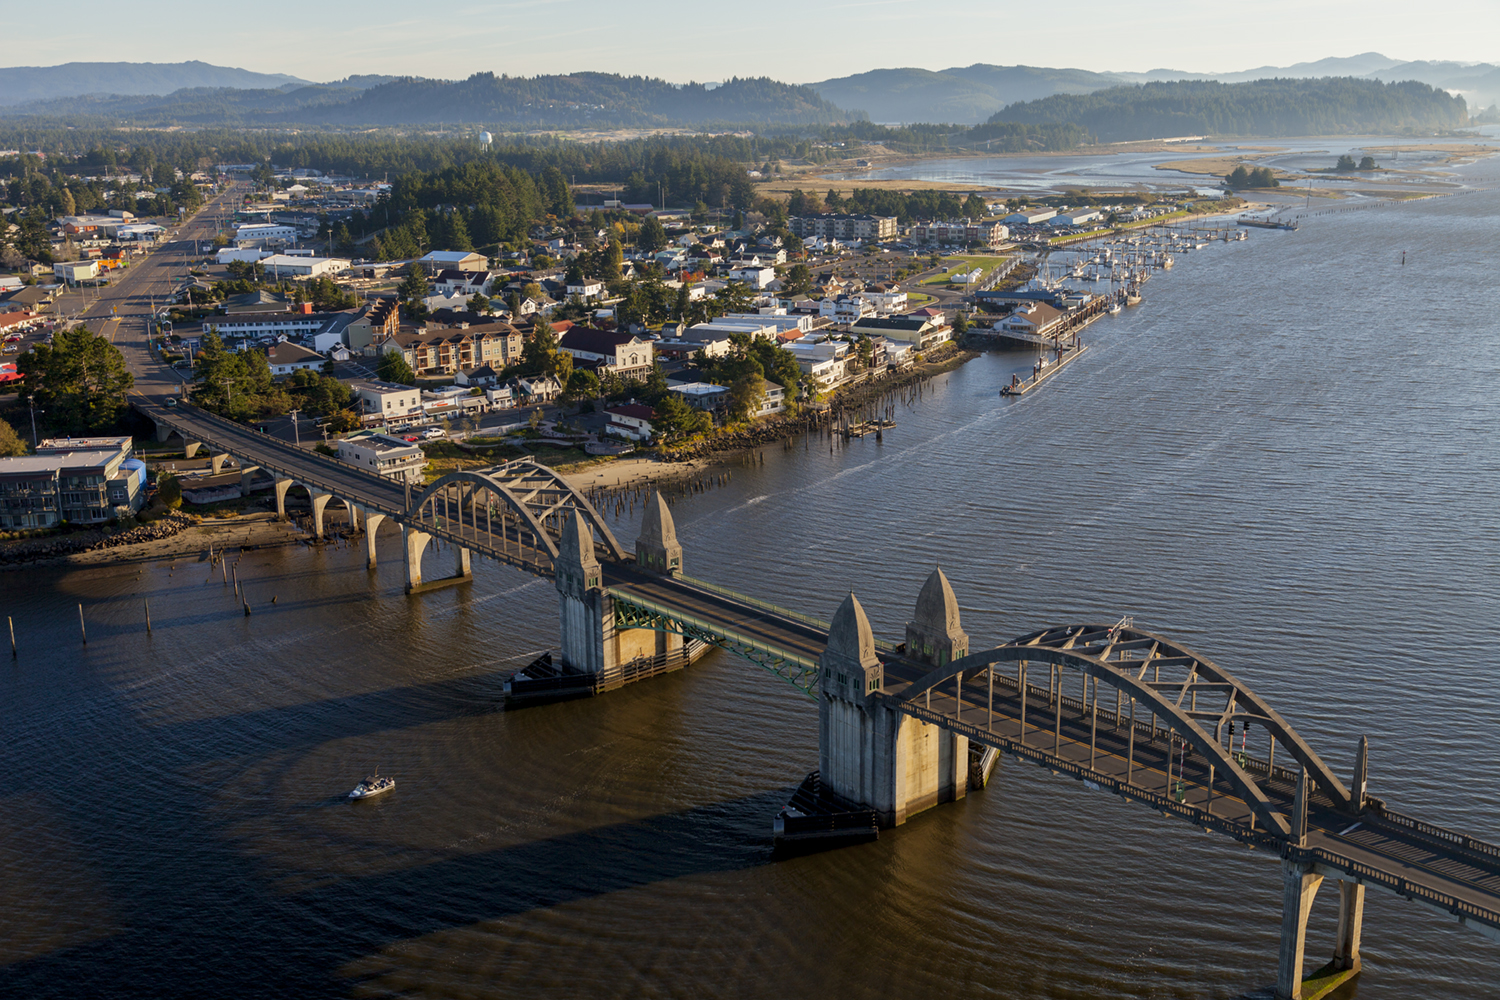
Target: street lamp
[(32, 404)]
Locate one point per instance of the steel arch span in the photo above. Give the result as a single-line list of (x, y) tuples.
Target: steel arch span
[(1194, 697), (539, 497)]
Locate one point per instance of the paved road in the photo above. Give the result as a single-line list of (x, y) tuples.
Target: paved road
[(121, 310)]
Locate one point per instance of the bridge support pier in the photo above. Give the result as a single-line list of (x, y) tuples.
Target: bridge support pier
[(282, 485), (319, 503), (216, 462), (1299, 887), (352, 510), (247, 478), (414, 544), (1351, 923), (372, 526), (869, 752), (190, 448)]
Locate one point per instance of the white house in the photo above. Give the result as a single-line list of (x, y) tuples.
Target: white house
[(500, 397), (286, 358), (388, 402), (631, 420), (384, 455), (753, 275), (846, 309), (623, 354), (587, 289)]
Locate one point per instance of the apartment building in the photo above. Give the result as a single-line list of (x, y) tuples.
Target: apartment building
[(839, 226)]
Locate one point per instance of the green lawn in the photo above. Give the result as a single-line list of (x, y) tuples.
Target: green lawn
[(964, 264)]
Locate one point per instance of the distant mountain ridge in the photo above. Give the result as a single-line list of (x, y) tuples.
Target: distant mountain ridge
[(21, 84), (572, 100), (972, 94)]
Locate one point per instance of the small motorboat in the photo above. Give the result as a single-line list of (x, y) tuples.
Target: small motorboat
[(373, 785)]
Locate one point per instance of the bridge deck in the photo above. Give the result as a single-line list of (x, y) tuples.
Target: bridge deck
[(1443, 869)]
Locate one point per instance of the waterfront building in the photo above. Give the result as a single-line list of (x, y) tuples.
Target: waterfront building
[(384, 455), (631, 420), (919, 331), (78, 480)]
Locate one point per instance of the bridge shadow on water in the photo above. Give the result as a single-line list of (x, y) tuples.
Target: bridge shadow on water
[(221, 928)]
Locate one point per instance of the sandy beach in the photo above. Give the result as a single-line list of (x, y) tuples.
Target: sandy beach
[(251, 530), (625, 472)]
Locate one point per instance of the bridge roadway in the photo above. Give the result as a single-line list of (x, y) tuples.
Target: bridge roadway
[(1447, 871), (753, 625)]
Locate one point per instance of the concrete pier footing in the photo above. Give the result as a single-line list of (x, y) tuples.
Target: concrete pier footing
[(372, 527), (869, 752)]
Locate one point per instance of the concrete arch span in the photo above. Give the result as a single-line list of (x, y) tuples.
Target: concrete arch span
[(1122, 657), (534, 493)]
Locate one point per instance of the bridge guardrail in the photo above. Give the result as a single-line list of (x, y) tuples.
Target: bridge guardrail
[(1399, 884), (301, 477), (717, 635), (1460, 840)]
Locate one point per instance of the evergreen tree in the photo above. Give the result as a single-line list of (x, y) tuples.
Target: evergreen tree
[(458, 232), (393, 368), (80, 379), (10, 442)]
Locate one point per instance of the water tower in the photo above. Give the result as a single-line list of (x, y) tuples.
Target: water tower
[(485, 138)]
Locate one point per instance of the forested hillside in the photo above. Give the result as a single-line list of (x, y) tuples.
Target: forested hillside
[(571, 101), (1261, 107)]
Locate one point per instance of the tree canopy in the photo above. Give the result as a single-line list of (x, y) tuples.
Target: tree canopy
[(79, 379)]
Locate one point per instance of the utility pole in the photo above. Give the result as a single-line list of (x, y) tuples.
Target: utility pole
[(296, 429)]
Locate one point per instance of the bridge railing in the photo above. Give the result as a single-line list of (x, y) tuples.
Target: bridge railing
[(1450, 838), (299, 475), (1399, 884)]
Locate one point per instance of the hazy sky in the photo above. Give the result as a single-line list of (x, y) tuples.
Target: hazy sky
[(787, 39)]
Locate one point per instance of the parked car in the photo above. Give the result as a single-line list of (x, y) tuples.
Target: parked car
[(429, 433)]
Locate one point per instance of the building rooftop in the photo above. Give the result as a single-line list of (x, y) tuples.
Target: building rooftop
[(375, 385)]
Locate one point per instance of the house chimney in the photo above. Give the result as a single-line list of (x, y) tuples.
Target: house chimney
[(307, 308)]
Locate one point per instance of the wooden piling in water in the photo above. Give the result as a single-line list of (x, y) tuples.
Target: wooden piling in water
[(12, 623), (148, 617), (81, 630)]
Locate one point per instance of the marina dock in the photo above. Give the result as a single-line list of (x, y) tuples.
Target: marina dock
[(1020, 386)]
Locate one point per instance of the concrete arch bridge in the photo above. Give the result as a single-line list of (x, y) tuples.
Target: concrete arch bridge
[(904, 727)]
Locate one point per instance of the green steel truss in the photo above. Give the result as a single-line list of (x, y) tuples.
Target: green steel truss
[(632, 611)]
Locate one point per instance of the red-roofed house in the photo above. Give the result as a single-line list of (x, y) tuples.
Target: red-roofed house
[(631, 420)]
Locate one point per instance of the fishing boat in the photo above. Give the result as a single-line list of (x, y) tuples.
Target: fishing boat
[(375, 784)]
